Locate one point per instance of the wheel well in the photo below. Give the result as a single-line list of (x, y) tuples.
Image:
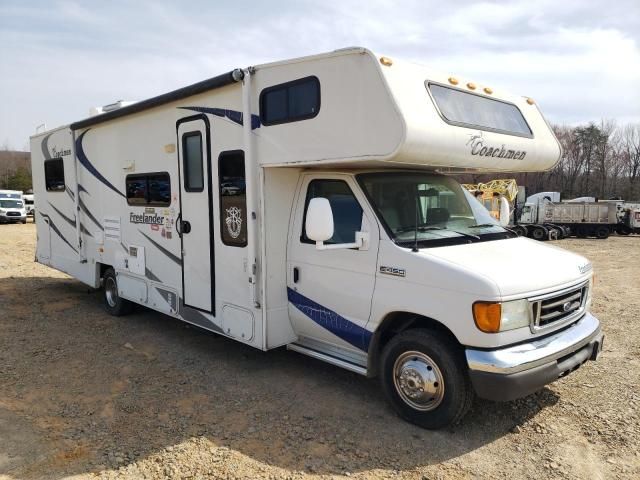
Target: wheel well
[(103, 268), (395, 323)]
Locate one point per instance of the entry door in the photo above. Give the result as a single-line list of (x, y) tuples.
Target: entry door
[(330, 291), (194, 222)]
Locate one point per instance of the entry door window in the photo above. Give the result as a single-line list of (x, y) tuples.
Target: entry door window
[(347, 212), (192, 152)]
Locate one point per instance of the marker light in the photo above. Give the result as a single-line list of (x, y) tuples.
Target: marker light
[(386, 61), (471, 86), (488, 91), (453, 80), (487, 316), (530, 101)]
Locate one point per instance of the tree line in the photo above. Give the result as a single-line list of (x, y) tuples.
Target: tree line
[(15, 170)]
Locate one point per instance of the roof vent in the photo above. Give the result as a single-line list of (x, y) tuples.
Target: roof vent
[(93, 111)]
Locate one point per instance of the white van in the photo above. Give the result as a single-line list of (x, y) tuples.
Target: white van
[(12, 207), (306, 204)]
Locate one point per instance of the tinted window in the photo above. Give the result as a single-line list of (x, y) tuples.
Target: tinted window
[(54, 175), (192, 153), (233, 200), (347, 213), (290, 102), (149, 189), (477, 111)]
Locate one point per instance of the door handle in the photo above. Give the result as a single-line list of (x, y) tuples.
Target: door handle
[(296, 274), (182, 226)]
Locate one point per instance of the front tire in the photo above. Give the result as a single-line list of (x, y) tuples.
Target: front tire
[(113, 303), (424, 377)]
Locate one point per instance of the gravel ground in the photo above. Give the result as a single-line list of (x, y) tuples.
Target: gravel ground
[(85, 395)]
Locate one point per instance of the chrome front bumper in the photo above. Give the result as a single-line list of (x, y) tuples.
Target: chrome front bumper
[(516, 371)]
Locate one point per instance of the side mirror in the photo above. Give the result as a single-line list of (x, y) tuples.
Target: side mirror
[(319, 222), (319, 227), (504, 211)]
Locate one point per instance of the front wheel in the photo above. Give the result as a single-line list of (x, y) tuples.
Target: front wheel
[(424, 377), (113, 303)]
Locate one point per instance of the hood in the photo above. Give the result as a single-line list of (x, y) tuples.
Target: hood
[(518, 265)]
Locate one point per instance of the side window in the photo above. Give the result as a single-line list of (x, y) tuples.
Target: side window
[(54, 175), (192, 162), (233, 198), (149, 189), (290, 102), (347, 212)]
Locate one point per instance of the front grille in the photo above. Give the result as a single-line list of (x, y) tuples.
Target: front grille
[(13, 214), (557, 308)]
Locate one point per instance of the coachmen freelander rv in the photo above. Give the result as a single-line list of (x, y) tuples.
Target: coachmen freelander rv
[(302, 203)]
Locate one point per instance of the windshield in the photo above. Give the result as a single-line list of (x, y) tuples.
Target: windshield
[(10, 204), (446, 213)]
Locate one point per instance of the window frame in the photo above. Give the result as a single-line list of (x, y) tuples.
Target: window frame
[(222, 219), (303, 231), (146, 175), (474, 126), (185, 165), (46, 182), (286, 87)]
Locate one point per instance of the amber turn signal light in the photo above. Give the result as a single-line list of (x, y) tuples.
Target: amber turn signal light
[(487, 316)]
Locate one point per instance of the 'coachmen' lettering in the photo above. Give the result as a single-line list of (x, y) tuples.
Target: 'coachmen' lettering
[(479, 148)]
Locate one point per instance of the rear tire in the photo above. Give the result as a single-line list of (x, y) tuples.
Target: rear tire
[(24, 221), (539, 233), (113, 303), (602, 233), (424, 377)]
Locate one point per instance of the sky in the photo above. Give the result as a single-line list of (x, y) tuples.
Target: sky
[(579, 59)]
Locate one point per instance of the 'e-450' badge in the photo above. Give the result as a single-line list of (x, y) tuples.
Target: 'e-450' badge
[(395, 271)]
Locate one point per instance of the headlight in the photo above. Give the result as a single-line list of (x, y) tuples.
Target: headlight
[(492, 317), (587, 304)]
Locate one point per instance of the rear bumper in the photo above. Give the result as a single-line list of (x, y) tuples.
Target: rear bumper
[(517, 371)]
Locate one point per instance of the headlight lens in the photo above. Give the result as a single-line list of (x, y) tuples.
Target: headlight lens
[(587, 304), (493, 317)]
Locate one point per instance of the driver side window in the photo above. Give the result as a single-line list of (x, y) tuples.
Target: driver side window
[(347, 212)]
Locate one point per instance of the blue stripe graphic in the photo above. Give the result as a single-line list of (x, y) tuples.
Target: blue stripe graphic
[(82, 157), (232, 115), (338, 325)]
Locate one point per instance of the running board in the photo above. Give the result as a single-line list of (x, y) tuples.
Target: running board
[(327, 358)]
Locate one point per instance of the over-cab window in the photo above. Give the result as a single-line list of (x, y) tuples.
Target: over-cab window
[(54, 175), (233, 198), (347, 212), (290, 102), (149, 189), (192, 162), (477, 111)]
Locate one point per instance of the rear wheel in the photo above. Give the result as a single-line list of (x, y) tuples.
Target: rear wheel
[(623, 230), (424, 377), (113, 303), (602, 232), (539, 233)]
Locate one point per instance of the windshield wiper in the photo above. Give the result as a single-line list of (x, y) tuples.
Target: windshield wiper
[(432, 227), (482, 225)]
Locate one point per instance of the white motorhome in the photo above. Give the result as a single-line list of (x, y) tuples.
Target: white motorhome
[(303, 204), (12, 207)]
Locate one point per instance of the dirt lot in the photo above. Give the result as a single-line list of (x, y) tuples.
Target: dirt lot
[(145, 396)]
